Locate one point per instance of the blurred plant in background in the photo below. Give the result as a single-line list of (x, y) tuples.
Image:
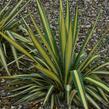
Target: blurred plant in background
[(9, 22)]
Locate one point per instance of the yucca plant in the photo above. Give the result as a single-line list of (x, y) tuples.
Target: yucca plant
[(8, 22), (64, 74)]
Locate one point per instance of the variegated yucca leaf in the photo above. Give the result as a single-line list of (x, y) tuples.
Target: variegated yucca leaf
[(64, 74), (8, 22)]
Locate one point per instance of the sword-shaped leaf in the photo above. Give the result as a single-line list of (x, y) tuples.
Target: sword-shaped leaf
[(77, 78), (75, 32), (62, 32), (96, 96), (91, 100), (48, 73), (93, 58), (3, 59), (92, 52), (97, 68), (41, 49), (48, 94), (68, 53), (97, 83), (86, 41), (45, 42), (67, 16), (14, 51), (17, 46), (44, 19)]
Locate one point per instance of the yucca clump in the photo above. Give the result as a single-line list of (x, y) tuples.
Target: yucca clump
[(63, 74), (8, 22)]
